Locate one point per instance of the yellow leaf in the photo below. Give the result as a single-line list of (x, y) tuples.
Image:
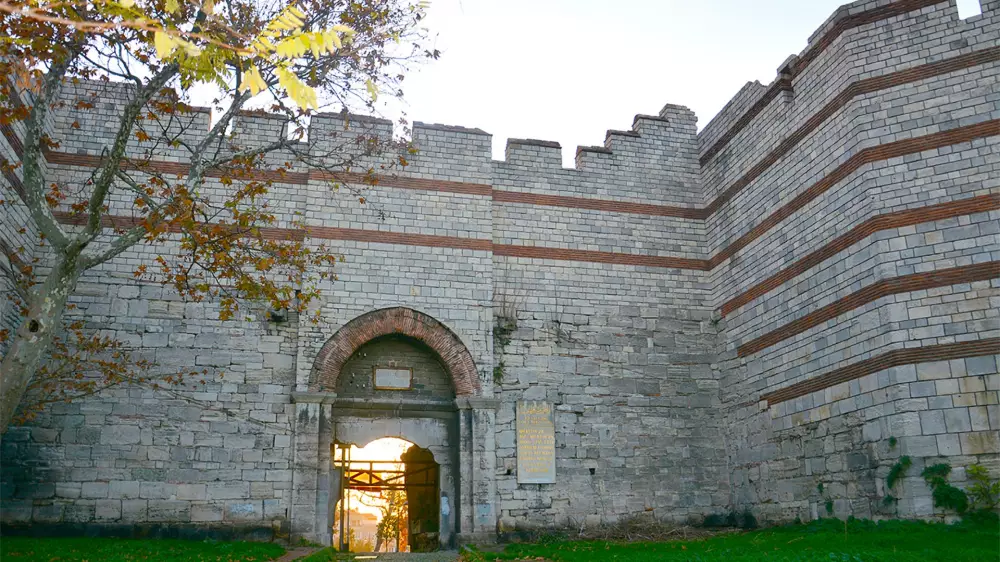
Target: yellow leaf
[(372, 89), (306, 41), (298, 91), (165, 44), (127, 3), (263, 44), (191, 49), (333, 40), (253, 81), (172, 6), (208, 7), (286, 20), (291, 47)]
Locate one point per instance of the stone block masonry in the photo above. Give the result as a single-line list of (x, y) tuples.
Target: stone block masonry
[(741, 318)]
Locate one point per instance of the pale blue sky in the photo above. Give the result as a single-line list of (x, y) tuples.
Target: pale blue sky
[(567, 70)]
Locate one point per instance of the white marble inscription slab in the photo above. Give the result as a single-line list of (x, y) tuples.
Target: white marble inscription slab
[(392, 378)]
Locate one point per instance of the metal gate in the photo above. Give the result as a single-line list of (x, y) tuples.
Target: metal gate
[(375, 476)]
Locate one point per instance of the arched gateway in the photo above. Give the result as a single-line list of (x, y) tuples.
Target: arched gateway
[(396, 372), (454, 356)]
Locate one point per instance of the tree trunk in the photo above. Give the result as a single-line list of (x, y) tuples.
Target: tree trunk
[(34, 336)]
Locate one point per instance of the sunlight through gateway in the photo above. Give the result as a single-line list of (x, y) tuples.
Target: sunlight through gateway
[(389, 499)]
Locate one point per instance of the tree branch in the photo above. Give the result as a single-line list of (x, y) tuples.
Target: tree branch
[(223, 123), (32, 177), (122, 243), (113, 160), (250, 153)]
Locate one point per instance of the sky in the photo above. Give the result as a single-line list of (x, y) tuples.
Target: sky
[(568, 70), (386, 449)]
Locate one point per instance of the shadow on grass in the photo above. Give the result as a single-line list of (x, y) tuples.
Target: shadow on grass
[(826, 540), (24, 549)]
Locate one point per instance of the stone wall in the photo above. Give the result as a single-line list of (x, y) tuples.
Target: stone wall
[(857, 243), (722, 320), (429, 380), (623, 351)]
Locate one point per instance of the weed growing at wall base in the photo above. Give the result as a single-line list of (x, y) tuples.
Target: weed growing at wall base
[(826, 539), (945, 495)]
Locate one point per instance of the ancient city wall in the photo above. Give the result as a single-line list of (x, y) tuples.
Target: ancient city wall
[(858, 280), (721, 320), (622, 349)]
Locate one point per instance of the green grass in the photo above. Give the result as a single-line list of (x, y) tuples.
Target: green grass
[(827, 540), (22, 549), (324, 555)]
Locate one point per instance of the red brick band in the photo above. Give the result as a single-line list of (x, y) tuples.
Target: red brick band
[(894, 286), (873, 154), (866, 156), (784, 82), (403, 321), (894, 358), (855, 89), (401, 182), (383, 237), (426, 240), (593, 256), (603, 205), (292, 178), (898, 219), (14, 141), (15, 183), (321, 232)]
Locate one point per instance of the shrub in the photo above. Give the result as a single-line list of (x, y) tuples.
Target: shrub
[(945, 495), (715, 520), (897, 471), (984, 495), (747, 520), (744, 520)]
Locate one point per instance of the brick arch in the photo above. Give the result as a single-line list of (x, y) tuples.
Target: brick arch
[(404, 321)]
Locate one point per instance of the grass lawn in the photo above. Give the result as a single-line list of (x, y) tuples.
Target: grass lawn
[(22, 549), (827, 540), (325, 555)]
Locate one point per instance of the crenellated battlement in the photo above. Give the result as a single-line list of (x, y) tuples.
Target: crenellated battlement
[(656, 147), (661, 159)]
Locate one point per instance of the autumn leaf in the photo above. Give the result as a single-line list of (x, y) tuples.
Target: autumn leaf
[(253, 81)]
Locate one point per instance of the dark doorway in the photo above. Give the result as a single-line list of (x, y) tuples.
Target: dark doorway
[(421, 482)]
